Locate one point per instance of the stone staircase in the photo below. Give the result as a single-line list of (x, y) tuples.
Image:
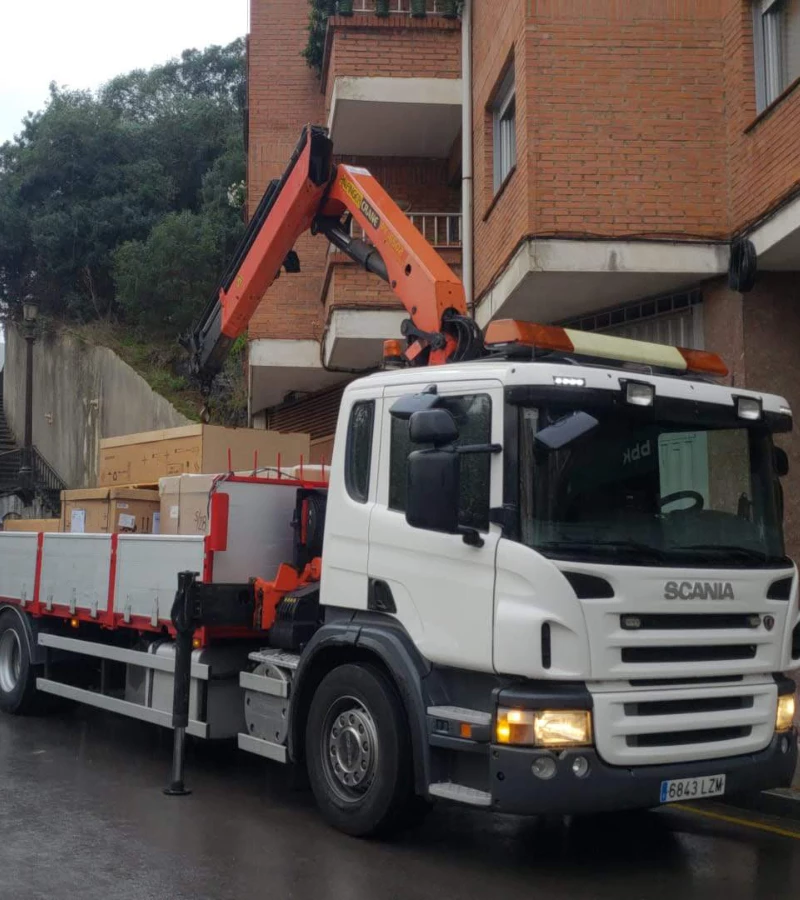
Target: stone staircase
[(9, 459)]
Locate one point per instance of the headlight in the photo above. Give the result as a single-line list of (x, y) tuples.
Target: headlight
[(544, 728), (785, 716)]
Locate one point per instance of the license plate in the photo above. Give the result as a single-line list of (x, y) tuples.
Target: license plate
[(692, 788)]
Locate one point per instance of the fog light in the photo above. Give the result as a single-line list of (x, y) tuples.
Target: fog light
[(639, 393), (580, 767), (785, 716), (544, 728), (544, 767), (784, 745), (748, 408)]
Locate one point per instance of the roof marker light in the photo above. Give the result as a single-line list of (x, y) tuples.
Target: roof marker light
[(567, 381), (527, 334), (507, 333), (702, 361)]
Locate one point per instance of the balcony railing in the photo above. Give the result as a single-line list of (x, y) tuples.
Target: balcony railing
[(403, 7), (440, 229)]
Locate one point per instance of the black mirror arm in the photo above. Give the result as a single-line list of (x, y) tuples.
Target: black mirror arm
[(480, 448), (471, 536)]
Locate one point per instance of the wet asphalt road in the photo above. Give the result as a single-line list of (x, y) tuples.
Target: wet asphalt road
[(82, 816)]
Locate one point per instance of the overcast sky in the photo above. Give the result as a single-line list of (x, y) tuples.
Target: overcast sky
[(82, 43)]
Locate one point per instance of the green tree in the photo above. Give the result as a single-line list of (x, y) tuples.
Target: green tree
[(107, 198)]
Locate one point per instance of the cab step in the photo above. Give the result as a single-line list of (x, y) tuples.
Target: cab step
[(460, 793), (279, 658)]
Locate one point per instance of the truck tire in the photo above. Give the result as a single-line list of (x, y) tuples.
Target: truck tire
[(17, 675), (358, 753)]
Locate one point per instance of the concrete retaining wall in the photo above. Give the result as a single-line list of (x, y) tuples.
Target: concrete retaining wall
[(81, 394)]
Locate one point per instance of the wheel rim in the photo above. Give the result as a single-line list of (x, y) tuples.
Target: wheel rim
[(10, 660), (349, 749)]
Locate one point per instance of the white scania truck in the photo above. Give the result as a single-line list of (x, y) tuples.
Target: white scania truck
[(553, 577)]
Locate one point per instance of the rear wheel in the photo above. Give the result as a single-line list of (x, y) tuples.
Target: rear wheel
[(17, 677), (358, 752)]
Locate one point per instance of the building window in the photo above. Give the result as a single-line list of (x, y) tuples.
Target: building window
[(473, 415), (776, 42), (358, 455), (504, 117)]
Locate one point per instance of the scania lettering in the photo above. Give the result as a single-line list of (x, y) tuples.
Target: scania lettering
[(699, 590), (544, 574)]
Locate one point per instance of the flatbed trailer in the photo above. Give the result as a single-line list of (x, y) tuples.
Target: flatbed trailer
[(109, 598)]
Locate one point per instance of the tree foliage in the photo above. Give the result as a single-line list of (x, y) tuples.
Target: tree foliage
[(116, 203)]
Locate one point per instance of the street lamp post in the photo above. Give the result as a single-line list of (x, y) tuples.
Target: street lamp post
[(30, 311)]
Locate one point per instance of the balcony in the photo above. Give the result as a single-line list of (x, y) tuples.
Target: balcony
[(549, 280), (393, 85), (359, 312), (362, 312)]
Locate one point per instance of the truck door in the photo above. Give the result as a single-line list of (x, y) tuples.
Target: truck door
[(438, 586), (351, 499)]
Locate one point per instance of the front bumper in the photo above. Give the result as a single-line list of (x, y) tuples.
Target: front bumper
[(515, 789)]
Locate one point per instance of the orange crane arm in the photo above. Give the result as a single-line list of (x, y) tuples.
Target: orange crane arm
[(316, 195)]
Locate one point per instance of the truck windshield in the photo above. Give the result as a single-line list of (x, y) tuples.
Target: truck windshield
[(611, 486)]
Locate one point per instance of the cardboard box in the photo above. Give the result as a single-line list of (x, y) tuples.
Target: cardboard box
[(192, 450), (322, 451), (32, 525), (109, 511), (184, 503)]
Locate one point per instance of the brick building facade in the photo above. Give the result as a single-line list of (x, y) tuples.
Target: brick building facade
[(619, 149)]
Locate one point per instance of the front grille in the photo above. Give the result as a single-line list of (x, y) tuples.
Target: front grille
[(694, 705), (680, 682), (688, 654), (679, 738), (683, 621), (670, 724)]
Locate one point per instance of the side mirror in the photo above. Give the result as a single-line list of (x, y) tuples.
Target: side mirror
[(434, 484), (433, 426), (781, 462)]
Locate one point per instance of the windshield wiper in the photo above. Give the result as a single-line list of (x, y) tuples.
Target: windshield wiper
[(605, 546)]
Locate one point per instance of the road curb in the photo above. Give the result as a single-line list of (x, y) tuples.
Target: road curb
[(782, 802)]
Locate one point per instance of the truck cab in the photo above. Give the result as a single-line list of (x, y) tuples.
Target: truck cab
[(598, 604)]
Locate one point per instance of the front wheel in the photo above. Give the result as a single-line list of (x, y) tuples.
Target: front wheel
[(358, 752), (17, 677)]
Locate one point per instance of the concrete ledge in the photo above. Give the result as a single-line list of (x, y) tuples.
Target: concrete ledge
[(548, 280), (384, 116)]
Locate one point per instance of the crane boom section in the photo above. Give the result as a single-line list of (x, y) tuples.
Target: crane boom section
[(419, 276), (292, 213), (316, 195)]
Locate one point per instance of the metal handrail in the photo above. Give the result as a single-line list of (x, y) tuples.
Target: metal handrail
[(397, 7), (441, 229), (47, 483)]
